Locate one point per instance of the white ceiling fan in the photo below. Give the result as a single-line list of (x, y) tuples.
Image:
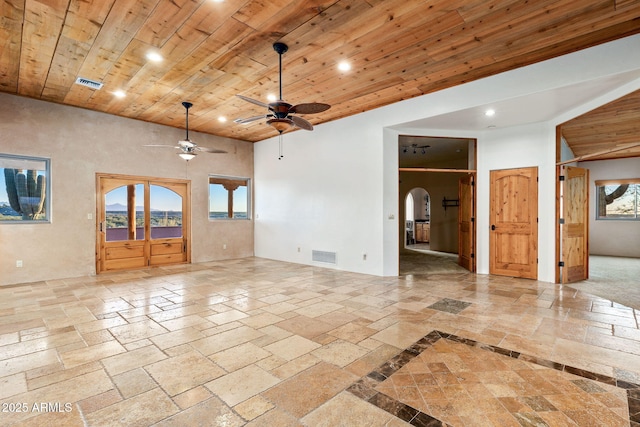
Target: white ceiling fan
[(188, 149)]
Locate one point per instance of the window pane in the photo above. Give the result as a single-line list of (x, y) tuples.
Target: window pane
[(229, 198), (240, 203), (623, 206), (117, 213), (618, 201), (217, 202), (166, 213), (24, 189)]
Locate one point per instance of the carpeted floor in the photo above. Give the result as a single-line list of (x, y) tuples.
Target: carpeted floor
[(613, 278)]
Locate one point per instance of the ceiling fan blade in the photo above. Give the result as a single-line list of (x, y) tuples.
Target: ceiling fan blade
[(253, 101), (309, 108), (301, 123), (251, 119), (161, 145), (209, 150)]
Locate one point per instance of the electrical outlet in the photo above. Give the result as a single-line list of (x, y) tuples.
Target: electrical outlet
[(224, 246), (89, 216), (298, 248), (364, 257), (19, 263)]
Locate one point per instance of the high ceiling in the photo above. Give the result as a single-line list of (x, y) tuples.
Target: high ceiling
[(212, 51)]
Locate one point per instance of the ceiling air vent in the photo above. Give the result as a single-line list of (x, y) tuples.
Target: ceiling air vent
[(88, 83)]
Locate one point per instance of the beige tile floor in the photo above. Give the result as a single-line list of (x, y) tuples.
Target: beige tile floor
[(263, 343)]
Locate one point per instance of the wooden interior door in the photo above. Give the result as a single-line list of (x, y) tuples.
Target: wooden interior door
[(466, 223), (141, 222), (574, 224), (513, 242)]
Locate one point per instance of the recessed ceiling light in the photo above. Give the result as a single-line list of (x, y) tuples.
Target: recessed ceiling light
[(490, 112), (154, 56), (344, 66), (119, 94), (218, 1), (271, 97), (222, 119)]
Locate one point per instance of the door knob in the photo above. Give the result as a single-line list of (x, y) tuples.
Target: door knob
[(493, 227)]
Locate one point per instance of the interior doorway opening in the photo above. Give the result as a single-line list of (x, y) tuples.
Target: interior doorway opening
[(430, 170), (417, 215)]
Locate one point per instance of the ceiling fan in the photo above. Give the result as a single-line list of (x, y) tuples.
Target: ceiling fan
[(280, 115), (187, 147)]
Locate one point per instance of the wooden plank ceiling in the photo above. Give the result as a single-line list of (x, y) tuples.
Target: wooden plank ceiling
[(214, 50), (609, 132)]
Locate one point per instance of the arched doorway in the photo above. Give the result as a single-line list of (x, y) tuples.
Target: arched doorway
[(417, 215)]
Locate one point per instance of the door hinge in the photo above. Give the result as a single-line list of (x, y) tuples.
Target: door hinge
[(101, 226), (561, 264), (561, 220), (561, 177), (473, 255), (473, 219)]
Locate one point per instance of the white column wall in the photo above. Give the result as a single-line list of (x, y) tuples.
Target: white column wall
[(519, 147)]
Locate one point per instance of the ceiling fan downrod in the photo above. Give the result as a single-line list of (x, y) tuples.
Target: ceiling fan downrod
[(187, 105), (280, 48)]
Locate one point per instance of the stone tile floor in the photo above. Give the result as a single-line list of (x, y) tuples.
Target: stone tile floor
[(264, 343)]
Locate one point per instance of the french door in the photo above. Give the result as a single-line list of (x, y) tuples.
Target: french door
[(141, 222)]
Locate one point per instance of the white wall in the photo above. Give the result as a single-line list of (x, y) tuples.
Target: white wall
[(81, 143), (611, 237), (324, 195)]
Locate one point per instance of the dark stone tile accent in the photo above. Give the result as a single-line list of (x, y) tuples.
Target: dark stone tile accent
[(590, 375), (450, 305), (377, 376), (424, 420), (542, 362), (404, 412), (627, 385), (634, 408), (362, 389)]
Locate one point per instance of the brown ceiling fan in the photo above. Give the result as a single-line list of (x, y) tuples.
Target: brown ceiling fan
[(187, 147), (281, 113)]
